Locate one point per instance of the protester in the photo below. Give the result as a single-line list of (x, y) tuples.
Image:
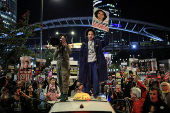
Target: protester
[(63, 67), (158, 82), (137, 101), (16, 104), (33, 102), (52, 91), (92, 65), (128, 84), (22, 85), (165, 88), (118, 94), (40, 92), (156, 101), (139, 84)]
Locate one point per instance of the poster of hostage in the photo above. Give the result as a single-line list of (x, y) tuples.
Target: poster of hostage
[(40, 65), (100, 19), (25, 63)]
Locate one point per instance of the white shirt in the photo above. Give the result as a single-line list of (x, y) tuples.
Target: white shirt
[(91, 52)]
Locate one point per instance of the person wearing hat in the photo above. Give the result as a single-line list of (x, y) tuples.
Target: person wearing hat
[(158, 82)]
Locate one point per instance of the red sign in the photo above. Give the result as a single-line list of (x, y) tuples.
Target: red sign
[(24, 75)]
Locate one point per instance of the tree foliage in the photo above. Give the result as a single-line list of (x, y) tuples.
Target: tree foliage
[(13, 45)]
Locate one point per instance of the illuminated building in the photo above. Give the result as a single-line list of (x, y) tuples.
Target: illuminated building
[(114, 11), (11, 16)]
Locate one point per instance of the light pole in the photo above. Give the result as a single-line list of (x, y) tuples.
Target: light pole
[(41, 29), (72, 37)]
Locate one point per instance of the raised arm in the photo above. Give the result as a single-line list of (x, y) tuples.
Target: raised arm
[(106, 40)]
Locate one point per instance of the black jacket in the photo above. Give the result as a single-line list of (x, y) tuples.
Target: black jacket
[(159, 106)]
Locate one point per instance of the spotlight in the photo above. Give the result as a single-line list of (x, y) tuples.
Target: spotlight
[(133, 46)]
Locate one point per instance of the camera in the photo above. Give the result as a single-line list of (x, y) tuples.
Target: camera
[(56, 42), (20, 93)]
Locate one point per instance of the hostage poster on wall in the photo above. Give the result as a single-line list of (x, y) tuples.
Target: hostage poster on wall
[(100, 19), (142, 65)]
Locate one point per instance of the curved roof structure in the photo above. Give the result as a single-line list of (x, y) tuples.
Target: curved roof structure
[(128, 25)]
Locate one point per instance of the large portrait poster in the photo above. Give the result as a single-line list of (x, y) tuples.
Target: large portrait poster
[(100, 19), (108, 58), (25, 62)]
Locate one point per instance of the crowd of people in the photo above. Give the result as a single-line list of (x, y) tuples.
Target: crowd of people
[(148, 96)]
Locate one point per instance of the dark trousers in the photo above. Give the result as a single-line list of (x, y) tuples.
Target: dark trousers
[(94, 78)]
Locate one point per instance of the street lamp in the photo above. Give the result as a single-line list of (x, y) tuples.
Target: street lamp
[(72, 32), (57, 33), (72, 37), (41, 29)]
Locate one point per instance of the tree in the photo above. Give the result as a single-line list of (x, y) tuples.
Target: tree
[(114, 66), (12, 45)]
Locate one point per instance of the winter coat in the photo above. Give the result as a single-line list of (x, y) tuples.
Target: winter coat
[(101, 61)]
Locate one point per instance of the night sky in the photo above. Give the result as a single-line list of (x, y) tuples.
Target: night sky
[(153, 11)]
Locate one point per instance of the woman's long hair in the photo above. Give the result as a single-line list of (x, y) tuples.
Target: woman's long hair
[(66, 42)]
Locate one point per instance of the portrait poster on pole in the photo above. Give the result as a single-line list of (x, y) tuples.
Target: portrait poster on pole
[(133, 62), (154, 64), (40, 65), (161, 67), (100, 19), (25, 63), (108, 58), (123, 66)]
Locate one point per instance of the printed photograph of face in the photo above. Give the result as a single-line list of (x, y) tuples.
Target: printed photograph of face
[(25, 62), (100, 15)]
